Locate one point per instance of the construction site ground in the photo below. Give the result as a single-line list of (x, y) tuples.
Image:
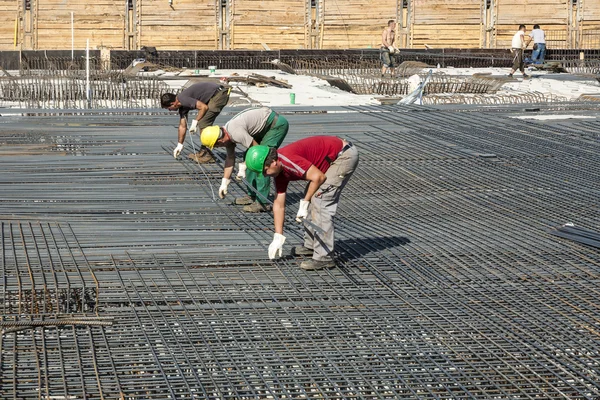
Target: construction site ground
[(467, 259)]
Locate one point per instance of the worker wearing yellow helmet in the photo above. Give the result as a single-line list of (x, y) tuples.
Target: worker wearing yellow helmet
[(248, 128)]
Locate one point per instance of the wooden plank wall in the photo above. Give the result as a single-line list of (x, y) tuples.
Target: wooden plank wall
[(551, 15), (355, 23), (186, 24), (280, 24), (101, 21), (589, 35), (286, 24), (8, 13), (446, 23), (590, 12)]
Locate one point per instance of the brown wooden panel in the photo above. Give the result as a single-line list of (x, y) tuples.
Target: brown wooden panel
[(101, 21), (280, 24), (530, 12), (8, 13), (186, 24), (441, 36), (446, 23), (355, 23), (451, 12), (591, 12)]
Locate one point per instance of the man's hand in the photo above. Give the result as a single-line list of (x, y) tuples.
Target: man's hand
[(194, 126), (177, 150), (223, 188), (391, 49), (276, 247), (241, 171), (302, 210)]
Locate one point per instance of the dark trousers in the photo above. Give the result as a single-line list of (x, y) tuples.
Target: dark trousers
[(215, 105), (518, 60)]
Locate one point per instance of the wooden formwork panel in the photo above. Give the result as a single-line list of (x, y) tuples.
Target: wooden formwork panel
[(590, 14), (446, 23), (184, 24), (8, 13), (549, 14), (100, 21), (280, 24), (354, 23)]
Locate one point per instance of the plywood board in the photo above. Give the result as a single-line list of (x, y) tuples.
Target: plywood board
[(100, 21), (184, 24), (446, 23), (280, 24), (355, 24), (8, 13)]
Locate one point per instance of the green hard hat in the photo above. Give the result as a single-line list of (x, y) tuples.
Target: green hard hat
[(255, 158)]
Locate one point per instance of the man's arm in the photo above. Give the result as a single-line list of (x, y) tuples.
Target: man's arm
[(202, 108), (229, 161), (182, 130), (316, 178), (279, 212)]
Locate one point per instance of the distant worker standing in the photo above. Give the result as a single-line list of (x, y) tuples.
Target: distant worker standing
[(517, 47), (387, 49), (327, 163), (208, 98), (249, 128), (539, 44)]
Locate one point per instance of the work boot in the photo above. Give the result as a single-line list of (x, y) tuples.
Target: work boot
[(312, 265), (202, 157), (525, 76), (303, 251), (256, 207), (244, 201)]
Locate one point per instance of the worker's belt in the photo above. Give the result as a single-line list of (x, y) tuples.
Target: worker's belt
[(223, 88), (346, 147)]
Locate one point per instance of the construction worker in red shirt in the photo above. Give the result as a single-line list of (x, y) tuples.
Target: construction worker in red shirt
[(327, 163)]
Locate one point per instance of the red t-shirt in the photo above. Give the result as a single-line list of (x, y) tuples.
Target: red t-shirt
[(296, 158)]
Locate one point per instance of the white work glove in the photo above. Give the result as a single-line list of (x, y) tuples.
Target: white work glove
[(276, 247), (241, 171), (302, 210), (223, 188), (391, 49), (194, 127), (177, 150)]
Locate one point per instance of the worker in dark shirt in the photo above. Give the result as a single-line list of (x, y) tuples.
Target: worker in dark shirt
[(208, 98)]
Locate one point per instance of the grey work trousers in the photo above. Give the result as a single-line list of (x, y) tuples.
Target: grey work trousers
[(323, 205)]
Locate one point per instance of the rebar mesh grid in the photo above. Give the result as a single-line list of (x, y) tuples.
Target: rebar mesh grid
[(448, 284)]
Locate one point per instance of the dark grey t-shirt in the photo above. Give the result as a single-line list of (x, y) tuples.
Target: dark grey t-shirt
[(202, 91)]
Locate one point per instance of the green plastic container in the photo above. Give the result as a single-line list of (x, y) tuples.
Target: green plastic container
[(292, 98)]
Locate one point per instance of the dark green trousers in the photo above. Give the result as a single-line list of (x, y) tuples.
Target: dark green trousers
[(272, 137)]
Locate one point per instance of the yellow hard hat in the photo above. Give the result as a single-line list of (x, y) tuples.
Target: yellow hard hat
[(210, 135)]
